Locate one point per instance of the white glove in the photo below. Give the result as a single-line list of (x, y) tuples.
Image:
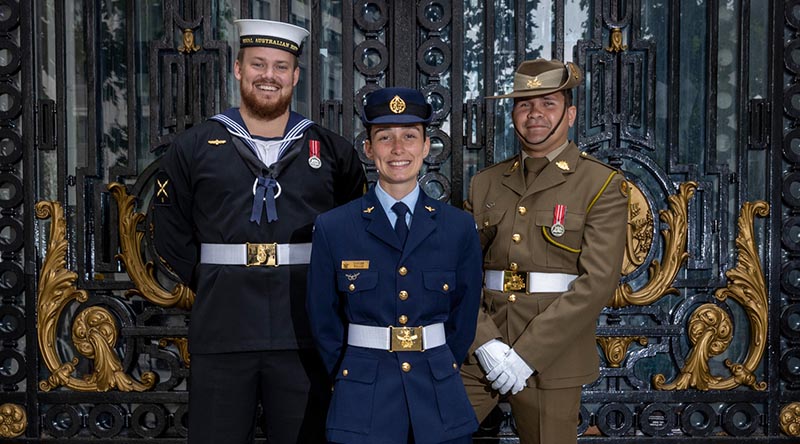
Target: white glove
[(491, 354), (511, 374)]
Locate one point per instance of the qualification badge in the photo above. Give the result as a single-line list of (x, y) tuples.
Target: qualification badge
[(559, 213), (313, 154)]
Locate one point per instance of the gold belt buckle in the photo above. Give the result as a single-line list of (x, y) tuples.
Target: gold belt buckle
[(262, 255), (406, 338), (515, 281)]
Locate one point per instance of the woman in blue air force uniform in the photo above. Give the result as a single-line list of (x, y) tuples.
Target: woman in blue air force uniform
[(393, 294)]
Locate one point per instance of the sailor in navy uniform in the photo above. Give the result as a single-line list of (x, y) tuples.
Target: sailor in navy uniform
[(235, 202), (394, 285)]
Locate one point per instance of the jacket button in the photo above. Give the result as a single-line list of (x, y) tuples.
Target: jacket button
[(403, 271), (455, 366), (522, 210), (402, 319), (445, 287), (352, 287), (512, 298), (486, 223), (516, 237), (406, 367), (403, 295), (345, 372), (513, 266)]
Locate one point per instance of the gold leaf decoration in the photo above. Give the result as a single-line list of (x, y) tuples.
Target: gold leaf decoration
[(674, 255), (709, 327), (140, 273), (13, 421), (640, 230), (790, 419), (183, 347), (56, 291), (616, 41), (710, 332), (616, 348)]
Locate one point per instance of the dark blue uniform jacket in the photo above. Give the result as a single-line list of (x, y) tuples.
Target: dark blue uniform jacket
[(375, 399)]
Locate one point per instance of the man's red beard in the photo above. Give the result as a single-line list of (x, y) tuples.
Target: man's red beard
[(264, 110)]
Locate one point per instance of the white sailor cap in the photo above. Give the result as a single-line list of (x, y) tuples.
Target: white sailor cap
[(271, 34)]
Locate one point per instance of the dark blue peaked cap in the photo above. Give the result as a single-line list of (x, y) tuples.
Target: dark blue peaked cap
[(396, 105)]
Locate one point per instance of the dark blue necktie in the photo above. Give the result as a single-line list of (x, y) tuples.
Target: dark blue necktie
[(400, 227)]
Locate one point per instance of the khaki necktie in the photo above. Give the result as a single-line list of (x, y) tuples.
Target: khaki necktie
[(533, 166)]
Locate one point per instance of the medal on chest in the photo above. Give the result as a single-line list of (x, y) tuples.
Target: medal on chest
[(559, 213), (313, 154)]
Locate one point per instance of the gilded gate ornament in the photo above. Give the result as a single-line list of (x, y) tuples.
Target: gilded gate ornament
[(710, 328), (790, 419), (183, 347), (93, 331), (188, 45), (13, 421), (616, 348), (616, 41), (674, 254), (145, 283), (640, 229)]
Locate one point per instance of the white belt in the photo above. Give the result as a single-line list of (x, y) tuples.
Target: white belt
[(396, 338), (249, 254), (533, 282)]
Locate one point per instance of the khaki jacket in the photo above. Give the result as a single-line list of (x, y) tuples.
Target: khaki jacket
[(552, 332)]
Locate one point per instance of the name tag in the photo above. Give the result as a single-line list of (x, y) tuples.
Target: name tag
[(355, 265)]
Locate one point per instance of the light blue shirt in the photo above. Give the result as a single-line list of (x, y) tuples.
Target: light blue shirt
[(388, 201)]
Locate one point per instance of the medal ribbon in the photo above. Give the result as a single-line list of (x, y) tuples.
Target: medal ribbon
[(313, 149), (559, 213)]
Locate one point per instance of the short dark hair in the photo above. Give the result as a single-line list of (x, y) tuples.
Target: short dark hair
[(567, 97)]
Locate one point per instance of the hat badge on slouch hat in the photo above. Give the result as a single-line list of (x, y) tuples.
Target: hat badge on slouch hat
[(396, 106), (541, 77), (271, 34)]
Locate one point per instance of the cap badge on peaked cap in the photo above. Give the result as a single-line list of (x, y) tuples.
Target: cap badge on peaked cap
[(397, 105)]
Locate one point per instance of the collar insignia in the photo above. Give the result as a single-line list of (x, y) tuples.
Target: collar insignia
[(563, 165), (352, 277), (430, 209), (369, 210), (397, 105), (217, 142), (514, 167)]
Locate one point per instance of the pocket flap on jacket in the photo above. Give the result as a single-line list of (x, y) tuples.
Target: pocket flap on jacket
[(358, 369)]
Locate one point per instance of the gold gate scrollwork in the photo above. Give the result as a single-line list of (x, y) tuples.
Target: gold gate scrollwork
[(93, 330), (710, 328), (674, 255), (145, 283), (13, 421), (616, 348)]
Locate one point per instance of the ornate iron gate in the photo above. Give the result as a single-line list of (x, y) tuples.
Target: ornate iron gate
[(696, 101)]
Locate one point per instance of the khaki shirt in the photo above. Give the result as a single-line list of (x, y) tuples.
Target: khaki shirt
[(552, 332)]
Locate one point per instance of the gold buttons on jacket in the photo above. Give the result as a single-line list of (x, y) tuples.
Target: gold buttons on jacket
[(445, 287), (403, 295), (352, 287), (345, 372), (516, 237), (402, 319), (403, 271), (513, 266), (512, 298), (406, 367), (455, 366), (522, 210)]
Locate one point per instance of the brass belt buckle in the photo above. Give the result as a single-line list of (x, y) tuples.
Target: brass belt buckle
[(406, 338), (515, 281), (262, 255)]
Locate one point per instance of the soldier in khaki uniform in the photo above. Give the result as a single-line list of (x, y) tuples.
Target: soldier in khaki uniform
[(553, 224)]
